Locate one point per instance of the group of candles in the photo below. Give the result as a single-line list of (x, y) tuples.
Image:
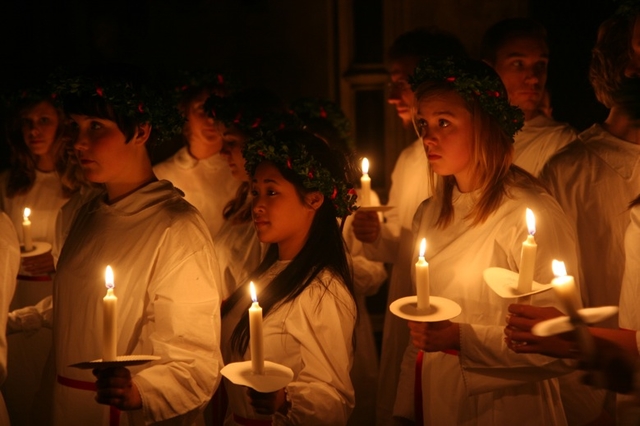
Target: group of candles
[(110, 326), (563, 284)]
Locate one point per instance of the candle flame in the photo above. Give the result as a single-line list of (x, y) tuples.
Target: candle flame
[(108, 277), (252, 290), (365, 166), (27, 212), (423, 247), (531, 222), (558, 268)]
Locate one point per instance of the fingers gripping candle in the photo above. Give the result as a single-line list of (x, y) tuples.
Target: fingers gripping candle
[(26, 230), (256, 342), (365, 184), (110, 320), (528, 256), (422, 278)]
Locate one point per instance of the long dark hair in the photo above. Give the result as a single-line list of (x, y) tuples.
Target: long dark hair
[(324, 249)]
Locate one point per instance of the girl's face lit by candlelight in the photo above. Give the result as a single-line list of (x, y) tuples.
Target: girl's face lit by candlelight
[(232, 144), (280, 215), (39, 127), (445, 126)]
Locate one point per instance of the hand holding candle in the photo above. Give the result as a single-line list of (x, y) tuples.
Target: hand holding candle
[(26, 230), (256, 341), (365, 184), (110, 323), (422, 278), (528, 256)]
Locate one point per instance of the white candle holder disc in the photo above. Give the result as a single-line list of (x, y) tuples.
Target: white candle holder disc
[(440, 309), (121, 361), (505, 283), (275, 377), (39, 247)]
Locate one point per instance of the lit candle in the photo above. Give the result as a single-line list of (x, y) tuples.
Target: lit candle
[(422, 278), (365, 184), (528, 256), (110, 320), (256, 342), (565, 287), (26, 230)]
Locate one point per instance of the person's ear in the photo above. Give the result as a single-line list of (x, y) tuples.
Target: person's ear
[(143, 131), (315, 199)]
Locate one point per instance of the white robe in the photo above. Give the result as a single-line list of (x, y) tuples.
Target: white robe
[(630, 292), (207, 184), (368, 276), (168, 305), (9, 265), (312, 335), (538, 140), (487, 383), (409, 187), (28, 352), (594, 179)]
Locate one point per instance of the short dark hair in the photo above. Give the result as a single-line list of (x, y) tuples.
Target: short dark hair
[(508, 29), (426, 41)]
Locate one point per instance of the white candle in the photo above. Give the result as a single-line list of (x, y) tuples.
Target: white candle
[(26, 230), (365, 184), (422, 278), (565, 288), (528, 256), (110, 320), (256, 341)]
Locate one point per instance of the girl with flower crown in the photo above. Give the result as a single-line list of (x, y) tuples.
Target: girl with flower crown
[(162, 258), (304, 284), (237, 119), (198, 168), (476, 220), (42, 177)]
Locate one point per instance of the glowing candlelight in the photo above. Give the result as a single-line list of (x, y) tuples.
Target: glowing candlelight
[(26, 230), (110, 319), (422, 278), (365, 184), (528, 256), (565, 287), (256, 340)]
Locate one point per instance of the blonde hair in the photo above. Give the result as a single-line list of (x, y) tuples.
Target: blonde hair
[(491, 162)]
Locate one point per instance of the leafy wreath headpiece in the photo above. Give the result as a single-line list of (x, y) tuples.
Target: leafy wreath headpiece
[(472, 80), (234, 112), (326, 110), (139, 103), (205, 78), (266, 146)]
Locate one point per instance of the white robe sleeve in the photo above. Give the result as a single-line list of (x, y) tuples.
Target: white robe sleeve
[(184, 307), (9, 265), (323, 322)]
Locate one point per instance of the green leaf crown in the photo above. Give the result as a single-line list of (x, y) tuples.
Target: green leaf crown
[(266, 146), (139, 103), (472, 80), (309, 108)]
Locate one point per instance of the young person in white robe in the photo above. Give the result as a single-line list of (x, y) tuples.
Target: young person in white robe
[(238, 118), (389, 242), (42, 179), (9, 266), (517, 49), (304, 284), (162, 258), (198, 169), (325, 119), (476, 220)]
